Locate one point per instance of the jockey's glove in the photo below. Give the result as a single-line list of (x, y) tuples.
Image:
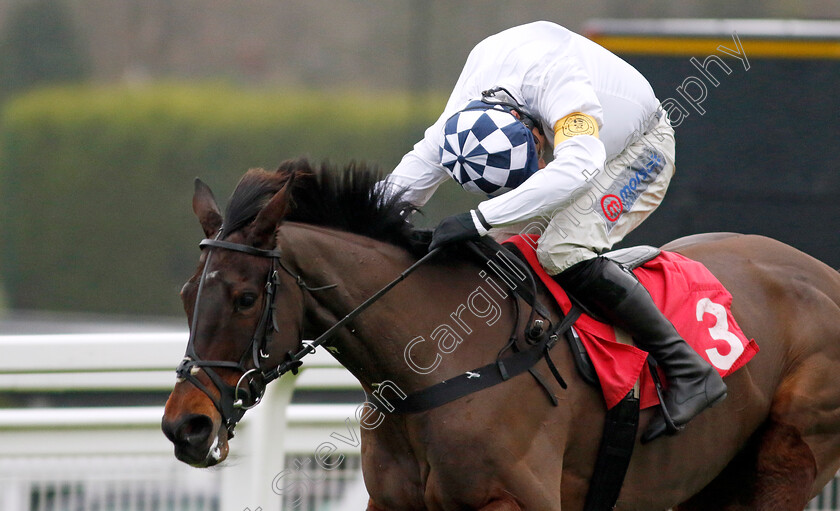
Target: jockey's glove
[(469, 226)]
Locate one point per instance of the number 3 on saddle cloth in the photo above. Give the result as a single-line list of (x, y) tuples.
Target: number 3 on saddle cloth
[(687, 293)]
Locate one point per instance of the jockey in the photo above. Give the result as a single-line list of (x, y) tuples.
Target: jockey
[(537, 86)]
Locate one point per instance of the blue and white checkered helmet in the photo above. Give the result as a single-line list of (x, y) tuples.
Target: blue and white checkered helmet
[(488, 150)]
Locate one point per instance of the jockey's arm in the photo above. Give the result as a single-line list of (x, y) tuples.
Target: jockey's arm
[(417, 177), (567, 103), (551, 188)]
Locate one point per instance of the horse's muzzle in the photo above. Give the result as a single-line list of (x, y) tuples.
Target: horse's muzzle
[(197, 440)]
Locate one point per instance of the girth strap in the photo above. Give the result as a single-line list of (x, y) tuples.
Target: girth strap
[(614, 453)]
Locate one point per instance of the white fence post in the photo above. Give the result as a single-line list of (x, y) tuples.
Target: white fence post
[(13, 496), (258, 453)]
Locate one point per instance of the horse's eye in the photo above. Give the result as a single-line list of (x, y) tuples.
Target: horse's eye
[(245, 301)]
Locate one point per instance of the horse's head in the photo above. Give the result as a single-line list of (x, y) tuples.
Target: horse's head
[(244, 306)]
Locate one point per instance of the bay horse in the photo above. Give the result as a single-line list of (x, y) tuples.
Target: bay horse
[(327, 241)]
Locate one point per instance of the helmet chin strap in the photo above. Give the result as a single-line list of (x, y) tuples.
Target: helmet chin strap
[(502, 96)]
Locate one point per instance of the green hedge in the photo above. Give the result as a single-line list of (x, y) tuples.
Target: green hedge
[(97, 182)]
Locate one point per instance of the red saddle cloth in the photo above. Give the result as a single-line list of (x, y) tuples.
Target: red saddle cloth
[(688, 294)]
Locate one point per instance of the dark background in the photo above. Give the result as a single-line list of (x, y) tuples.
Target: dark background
[(761, 160)]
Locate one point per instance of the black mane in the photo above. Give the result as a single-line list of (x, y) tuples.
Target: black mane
[(346, 199)]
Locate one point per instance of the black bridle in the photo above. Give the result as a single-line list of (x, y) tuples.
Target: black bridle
[(234, 401)]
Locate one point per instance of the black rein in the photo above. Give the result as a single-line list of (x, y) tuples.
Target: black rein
[(233, 401)]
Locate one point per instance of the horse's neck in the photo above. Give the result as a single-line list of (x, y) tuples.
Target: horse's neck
[(447, 317)]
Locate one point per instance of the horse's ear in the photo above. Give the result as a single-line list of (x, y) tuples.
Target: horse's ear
[(262, 235), (206, 209)]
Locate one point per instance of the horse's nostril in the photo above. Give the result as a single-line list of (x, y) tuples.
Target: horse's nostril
[(195, 430), (192, 430)]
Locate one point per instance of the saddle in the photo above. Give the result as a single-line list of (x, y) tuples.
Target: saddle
[(631, 258), (498, 258)]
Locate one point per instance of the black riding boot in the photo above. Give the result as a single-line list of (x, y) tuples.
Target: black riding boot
[(605, 288)]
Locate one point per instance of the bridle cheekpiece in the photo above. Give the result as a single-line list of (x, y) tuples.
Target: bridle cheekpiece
[(233, 401)]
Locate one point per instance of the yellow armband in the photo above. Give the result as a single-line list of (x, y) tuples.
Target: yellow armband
[(574, 124)]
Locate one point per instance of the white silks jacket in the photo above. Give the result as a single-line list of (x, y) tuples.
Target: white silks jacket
[(554, 74)]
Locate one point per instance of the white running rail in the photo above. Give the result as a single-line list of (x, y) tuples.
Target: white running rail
[(116, 458)]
